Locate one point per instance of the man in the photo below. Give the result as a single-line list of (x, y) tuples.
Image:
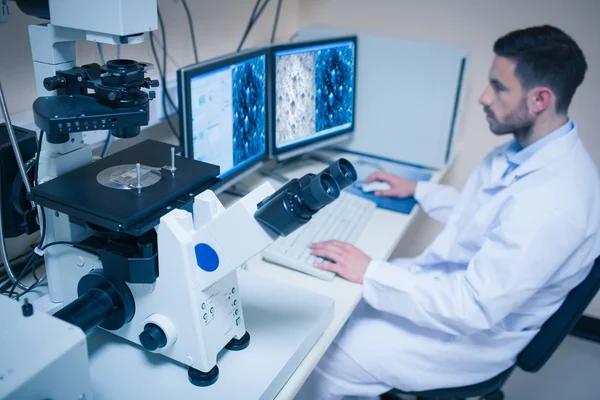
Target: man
[(520, 236)]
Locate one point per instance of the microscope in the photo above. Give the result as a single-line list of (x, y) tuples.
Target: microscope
[(137, 243)]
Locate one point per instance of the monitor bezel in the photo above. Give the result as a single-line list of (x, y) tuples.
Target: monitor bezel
[(184, 79), (320, 141)]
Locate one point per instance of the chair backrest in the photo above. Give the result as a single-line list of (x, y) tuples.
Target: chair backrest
[(560, 324)]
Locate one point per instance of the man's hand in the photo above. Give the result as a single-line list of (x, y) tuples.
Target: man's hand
[(399, 187), (348, 261)]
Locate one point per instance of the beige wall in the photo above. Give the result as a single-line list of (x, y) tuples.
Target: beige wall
[(475, 24)]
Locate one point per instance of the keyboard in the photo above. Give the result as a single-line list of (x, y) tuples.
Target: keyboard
[(343, 220)]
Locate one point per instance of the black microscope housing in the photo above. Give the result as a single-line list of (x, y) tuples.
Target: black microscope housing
[(94, 97)]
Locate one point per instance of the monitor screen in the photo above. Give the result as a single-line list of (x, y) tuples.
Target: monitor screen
[(314, 91), (225, 115)]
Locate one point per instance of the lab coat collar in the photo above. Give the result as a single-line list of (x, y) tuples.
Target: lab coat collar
[(544, 156)]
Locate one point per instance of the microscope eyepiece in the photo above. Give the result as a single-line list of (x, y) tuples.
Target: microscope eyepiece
[(297, 201), (320, 191), (343, 172)]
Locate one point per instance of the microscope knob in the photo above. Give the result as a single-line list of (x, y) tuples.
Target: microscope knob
[(153, 337), (55, 82)]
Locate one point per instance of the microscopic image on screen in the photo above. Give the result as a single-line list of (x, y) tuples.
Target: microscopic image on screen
[(334, 78), (295, 96), (249, 109)]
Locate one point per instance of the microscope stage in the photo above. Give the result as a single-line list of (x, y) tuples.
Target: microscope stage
[(102, 192)]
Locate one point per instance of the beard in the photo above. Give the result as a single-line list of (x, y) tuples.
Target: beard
[(517, 121)]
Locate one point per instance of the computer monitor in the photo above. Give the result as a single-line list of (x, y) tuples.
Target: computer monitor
[(223, 113), (313, 95)]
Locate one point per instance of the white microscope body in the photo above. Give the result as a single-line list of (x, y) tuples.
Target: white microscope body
[(195, 300), (197, 307), (193, 309)]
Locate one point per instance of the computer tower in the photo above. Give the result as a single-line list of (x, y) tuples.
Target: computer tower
[(14, 203)]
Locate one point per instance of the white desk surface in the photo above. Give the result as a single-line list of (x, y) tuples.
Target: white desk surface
[(378, 240)]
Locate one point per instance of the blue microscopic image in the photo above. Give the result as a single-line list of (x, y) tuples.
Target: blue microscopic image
[(249, 109), (334, 81)]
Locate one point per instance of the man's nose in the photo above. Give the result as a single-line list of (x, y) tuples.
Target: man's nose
[(485, 99)]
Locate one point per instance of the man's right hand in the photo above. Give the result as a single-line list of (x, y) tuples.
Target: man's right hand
[(399, 187)]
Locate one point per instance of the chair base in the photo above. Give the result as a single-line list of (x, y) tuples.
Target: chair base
[(487, 390), (495, 395)]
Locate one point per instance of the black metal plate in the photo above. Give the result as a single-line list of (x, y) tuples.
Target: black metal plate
[(79, 195)]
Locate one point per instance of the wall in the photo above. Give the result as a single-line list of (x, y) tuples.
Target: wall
[(475, 24), (218, 24)]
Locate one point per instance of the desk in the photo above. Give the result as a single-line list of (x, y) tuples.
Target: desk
[(378, 240)]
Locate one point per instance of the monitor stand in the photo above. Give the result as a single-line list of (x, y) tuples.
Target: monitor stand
[(318, 157), (271, 172), (237, 190)]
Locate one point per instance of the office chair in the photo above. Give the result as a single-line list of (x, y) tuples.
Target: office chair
[(534, 356)]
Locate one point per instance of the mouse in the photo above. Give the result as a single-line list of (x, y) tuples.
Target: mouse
[(375, 186)]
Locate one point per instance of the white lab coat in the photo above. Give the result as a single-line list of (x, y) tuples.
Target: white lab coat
[(511, 249)]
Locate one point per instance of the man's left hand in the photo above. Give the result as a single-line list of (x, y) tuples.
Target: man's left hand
[(347, 261)]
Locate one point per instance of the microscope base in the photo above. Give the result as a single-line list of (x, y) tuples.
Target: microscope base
[(202, 379), (238, 344), (285, 322)]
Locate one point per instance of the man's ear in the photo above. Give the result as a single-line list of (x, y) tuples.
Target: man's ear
[(540, 98)]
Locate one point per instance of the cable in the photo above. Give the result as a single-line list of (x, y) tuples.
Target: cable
[(15, 262), (42, 212), (118, 52), (43, 235), (163, 33), (34, 257), (191, 23), (39, 152), (17, 281), (163, 83), (162, 71), (42, 221), (159, 68), (33, 286), (80, 246), (173, 61), (37, 282), (276, 22), (250, 24)]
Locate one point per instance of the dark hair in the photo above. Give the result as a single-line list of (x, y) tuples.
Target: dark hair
[(547, 56)]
